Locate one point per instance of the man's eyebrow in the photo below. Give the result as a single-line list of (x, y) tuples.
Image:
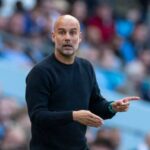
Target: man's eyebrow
[(61, 29), (74, 29), (65, 29)]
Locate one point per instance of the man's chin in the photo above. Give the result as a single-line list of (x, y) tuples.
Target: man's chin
[(68, 52)]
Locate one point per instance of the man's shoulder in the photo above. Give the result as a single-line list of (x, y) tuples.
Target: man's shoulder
[(44, 63), (40, 67), (85, 65), (83, 62)]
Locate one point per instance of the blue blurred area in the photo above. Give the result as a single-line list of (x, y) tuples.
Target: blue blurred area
[(12, 79)]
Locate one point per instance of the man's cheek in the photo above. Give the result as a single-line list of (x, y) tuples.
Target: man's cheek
[(76, 41)]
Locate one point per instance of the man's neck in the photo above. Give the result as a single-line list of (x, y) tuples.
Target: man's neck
[(64, 59)]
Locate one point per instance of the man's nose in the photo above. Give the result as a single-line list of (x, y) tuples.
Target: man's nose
[(67, 37)]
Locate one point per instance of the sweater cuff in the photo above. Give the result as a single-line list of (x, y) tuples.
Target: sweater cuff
[(111, 109)]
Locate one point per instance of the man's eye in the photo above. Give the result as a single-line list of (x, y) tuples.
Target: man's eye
[(73, 32), (62, 32)]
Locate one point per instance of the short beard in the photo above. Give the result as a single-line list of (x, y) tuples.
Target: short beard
[(67, 55)]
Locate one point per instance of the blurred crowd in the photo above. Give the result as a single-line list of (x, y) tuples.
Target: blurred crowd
[(14, 125), (108, 138), (116, 41), (117, 45)]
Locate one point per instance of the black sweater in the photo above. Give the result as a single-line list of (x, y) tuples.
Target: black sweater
[(53, 91)]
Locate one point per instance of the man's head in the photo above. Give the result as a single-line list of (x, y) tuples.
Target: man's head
[(66, 35)]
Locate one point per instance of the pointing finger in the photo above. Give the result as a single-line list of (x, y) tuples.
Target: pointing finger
[(134, 98)]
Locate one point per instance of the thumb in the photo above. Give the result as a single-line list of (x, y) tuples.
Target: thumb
[(125, 100), (117, 103)]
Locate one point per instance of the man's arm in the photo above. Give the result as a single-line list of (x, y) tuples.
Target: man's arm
[(38, 97), (101, 107), (98, 104)]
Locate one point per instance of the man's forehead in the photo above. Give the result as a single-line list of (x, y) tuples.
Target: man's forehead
[(67, 22), (67, 27)]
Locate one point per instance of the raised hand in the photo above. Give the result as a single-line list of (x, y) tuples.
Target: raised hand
[(123, 104), (87, 118)]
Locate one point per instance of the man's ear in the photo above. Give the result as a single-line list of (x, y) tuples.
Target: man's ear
[(53, 36), (80, 37)]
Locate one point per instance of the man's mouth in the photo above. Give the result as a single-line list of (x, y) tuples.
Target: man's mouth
[(67, 45)]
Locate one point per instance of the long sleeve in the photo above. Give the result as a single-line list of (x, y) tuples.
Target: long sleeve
[(98, 104), (38, 91), (54, 90)]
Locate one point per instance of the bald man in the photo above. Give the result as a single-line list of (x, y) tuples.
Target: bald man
[(62, 94)]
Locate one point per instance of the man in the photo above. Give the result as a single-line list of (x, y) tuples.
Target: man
[(62, 94)]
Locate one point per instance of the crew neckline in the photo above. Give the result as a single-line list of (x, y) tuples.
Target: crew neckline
[(63, 64)]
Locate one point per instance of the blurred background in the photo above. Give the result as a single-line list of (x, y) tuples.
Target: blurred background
[(116, 39)]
